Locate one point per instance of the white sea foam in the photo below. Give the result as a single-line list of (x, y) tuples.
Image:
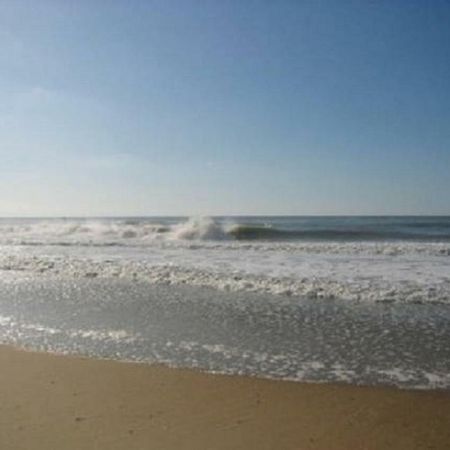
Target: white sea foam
[(314, 370), (205, 252), (382, 278), (200, 228), (110, 232), (113, 335), (103, 335)]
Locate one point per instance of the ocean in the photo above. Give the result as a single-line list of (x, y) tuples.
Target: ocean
[(362, 300)]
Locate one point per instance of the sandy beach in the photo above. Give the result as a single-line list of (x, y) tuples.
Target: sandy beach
[(59, 402)]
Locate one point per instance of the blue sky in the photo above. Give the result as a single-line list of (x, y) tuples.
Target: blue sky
[(224, 107)]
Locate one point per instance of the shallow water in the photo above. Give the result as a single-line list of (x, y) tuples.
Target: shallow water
[(238, 333)]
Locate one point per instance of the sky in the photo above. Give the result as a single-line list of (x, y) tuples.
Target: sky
[(115, 108)]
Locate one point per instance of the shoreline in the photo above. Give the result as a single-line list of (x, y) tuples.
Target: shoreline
[(55, 401)]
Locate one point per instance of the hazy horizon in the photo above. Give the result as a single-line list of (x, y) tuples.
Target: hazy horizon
[(188, 216), (219, 216)]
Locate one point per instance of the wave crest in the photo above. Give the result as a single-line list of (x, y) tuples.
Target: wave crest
[(200, 228)]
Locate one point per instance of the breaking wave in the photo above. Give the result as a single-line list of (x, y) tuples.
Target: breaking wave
[(202, 228), (145, 230)]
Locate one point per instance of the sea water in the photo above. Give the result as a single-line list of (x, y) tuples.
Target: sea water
[(354, 299)]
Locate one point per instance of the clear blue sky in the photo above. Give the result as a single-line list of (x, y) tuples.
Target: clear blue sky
[(224, 107)]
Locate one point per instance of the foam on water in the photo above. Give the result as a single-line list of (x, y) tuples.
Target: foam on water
[(200, 228), (364, 271), (237, 255)]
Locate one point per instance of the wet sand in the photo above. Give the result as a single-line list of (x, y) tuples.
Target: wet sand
[(58, 402)]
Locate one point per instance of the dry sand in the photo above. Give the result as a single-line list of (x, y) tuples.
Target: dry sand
[(50, 402)]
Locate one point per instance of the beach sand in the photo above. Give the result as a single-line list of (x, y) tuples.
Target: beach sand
[(51, 402)]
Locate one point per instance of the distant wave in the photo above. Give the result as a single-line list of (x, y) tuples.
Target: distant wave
[(200, 228), (243, 232), (143, 231), (206, 228)]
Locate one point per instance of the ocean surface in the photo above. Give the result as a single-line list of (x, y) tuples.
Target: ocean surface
[(364, 300)]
